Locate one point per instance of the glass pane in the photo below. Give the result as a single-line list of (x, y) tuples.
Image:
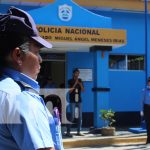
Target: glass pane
[(135, 62), (117, 62)]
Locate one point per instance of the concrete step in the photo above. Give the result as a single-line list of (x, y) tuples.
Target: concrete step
[(121, 137)]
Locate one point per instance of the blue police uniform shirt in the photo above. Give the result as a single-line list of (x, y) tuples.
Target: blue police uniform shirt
[(25, 122)]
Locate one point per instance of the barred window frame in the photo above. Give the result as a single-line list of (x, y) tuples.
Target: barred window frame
[(124, 62)]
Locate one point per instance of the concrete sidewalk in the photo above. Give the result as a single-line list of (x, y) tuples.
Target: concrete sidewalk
[(121, 137)]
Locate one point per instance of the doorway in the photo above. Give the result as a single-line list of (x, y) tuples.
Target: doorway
[(53, 66)]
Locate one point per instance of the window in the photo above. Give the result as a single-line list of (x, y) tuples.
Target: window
[(126, 62), (135, 63), (117, 62)]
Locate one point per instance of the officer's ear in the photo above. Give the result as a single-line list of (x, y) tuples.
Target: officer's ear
[(17, 56)]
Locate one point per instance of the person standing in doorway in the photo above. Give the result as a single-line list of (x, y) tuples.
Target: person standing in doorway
[(76, 86), (25, 122), (146, 108)]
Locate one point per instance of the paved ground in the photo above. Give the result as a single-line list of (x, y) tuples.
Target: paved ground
[(97, 141), (115, 147)]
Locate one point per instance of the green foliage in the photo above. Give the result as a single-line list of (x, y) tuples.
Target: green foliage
[(107, 116)]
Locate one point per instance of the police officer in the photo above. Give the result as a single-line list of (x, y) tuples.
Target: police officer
[(25, 123), (146, 108)]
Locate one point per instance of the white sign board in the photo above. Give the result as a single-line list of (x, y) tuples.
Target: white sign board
[(86, 74)]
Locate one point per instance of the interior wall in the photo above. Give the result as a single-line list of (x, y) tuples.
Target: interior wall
[(58, 72)]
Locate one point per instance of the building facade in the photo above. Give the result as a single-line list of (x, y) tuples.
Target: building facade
[(114, 73)]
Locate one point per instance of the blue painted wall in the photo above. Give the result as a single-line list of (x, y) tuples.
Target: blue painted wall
[(130, 82), (133, 23), (126, 86), (126, 90)]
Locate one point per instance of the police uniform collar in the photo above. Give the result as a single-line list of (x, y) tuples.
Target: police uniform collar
[(23, 79)]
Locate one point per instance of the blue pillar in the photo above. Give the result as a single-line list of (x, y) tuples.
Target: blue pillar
[(101, 82)]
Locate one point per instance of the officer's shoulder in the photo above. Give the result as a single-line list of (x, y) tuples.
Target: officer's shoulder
[(8, 85)]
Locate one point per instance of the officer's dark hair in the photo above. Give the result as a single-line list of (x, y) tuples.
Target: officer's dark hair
[(8, 42), (148, 80), (76, 70)]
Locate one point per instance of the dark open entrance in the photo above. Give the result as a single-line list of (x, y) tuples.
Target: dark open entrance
[(53, 66)]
